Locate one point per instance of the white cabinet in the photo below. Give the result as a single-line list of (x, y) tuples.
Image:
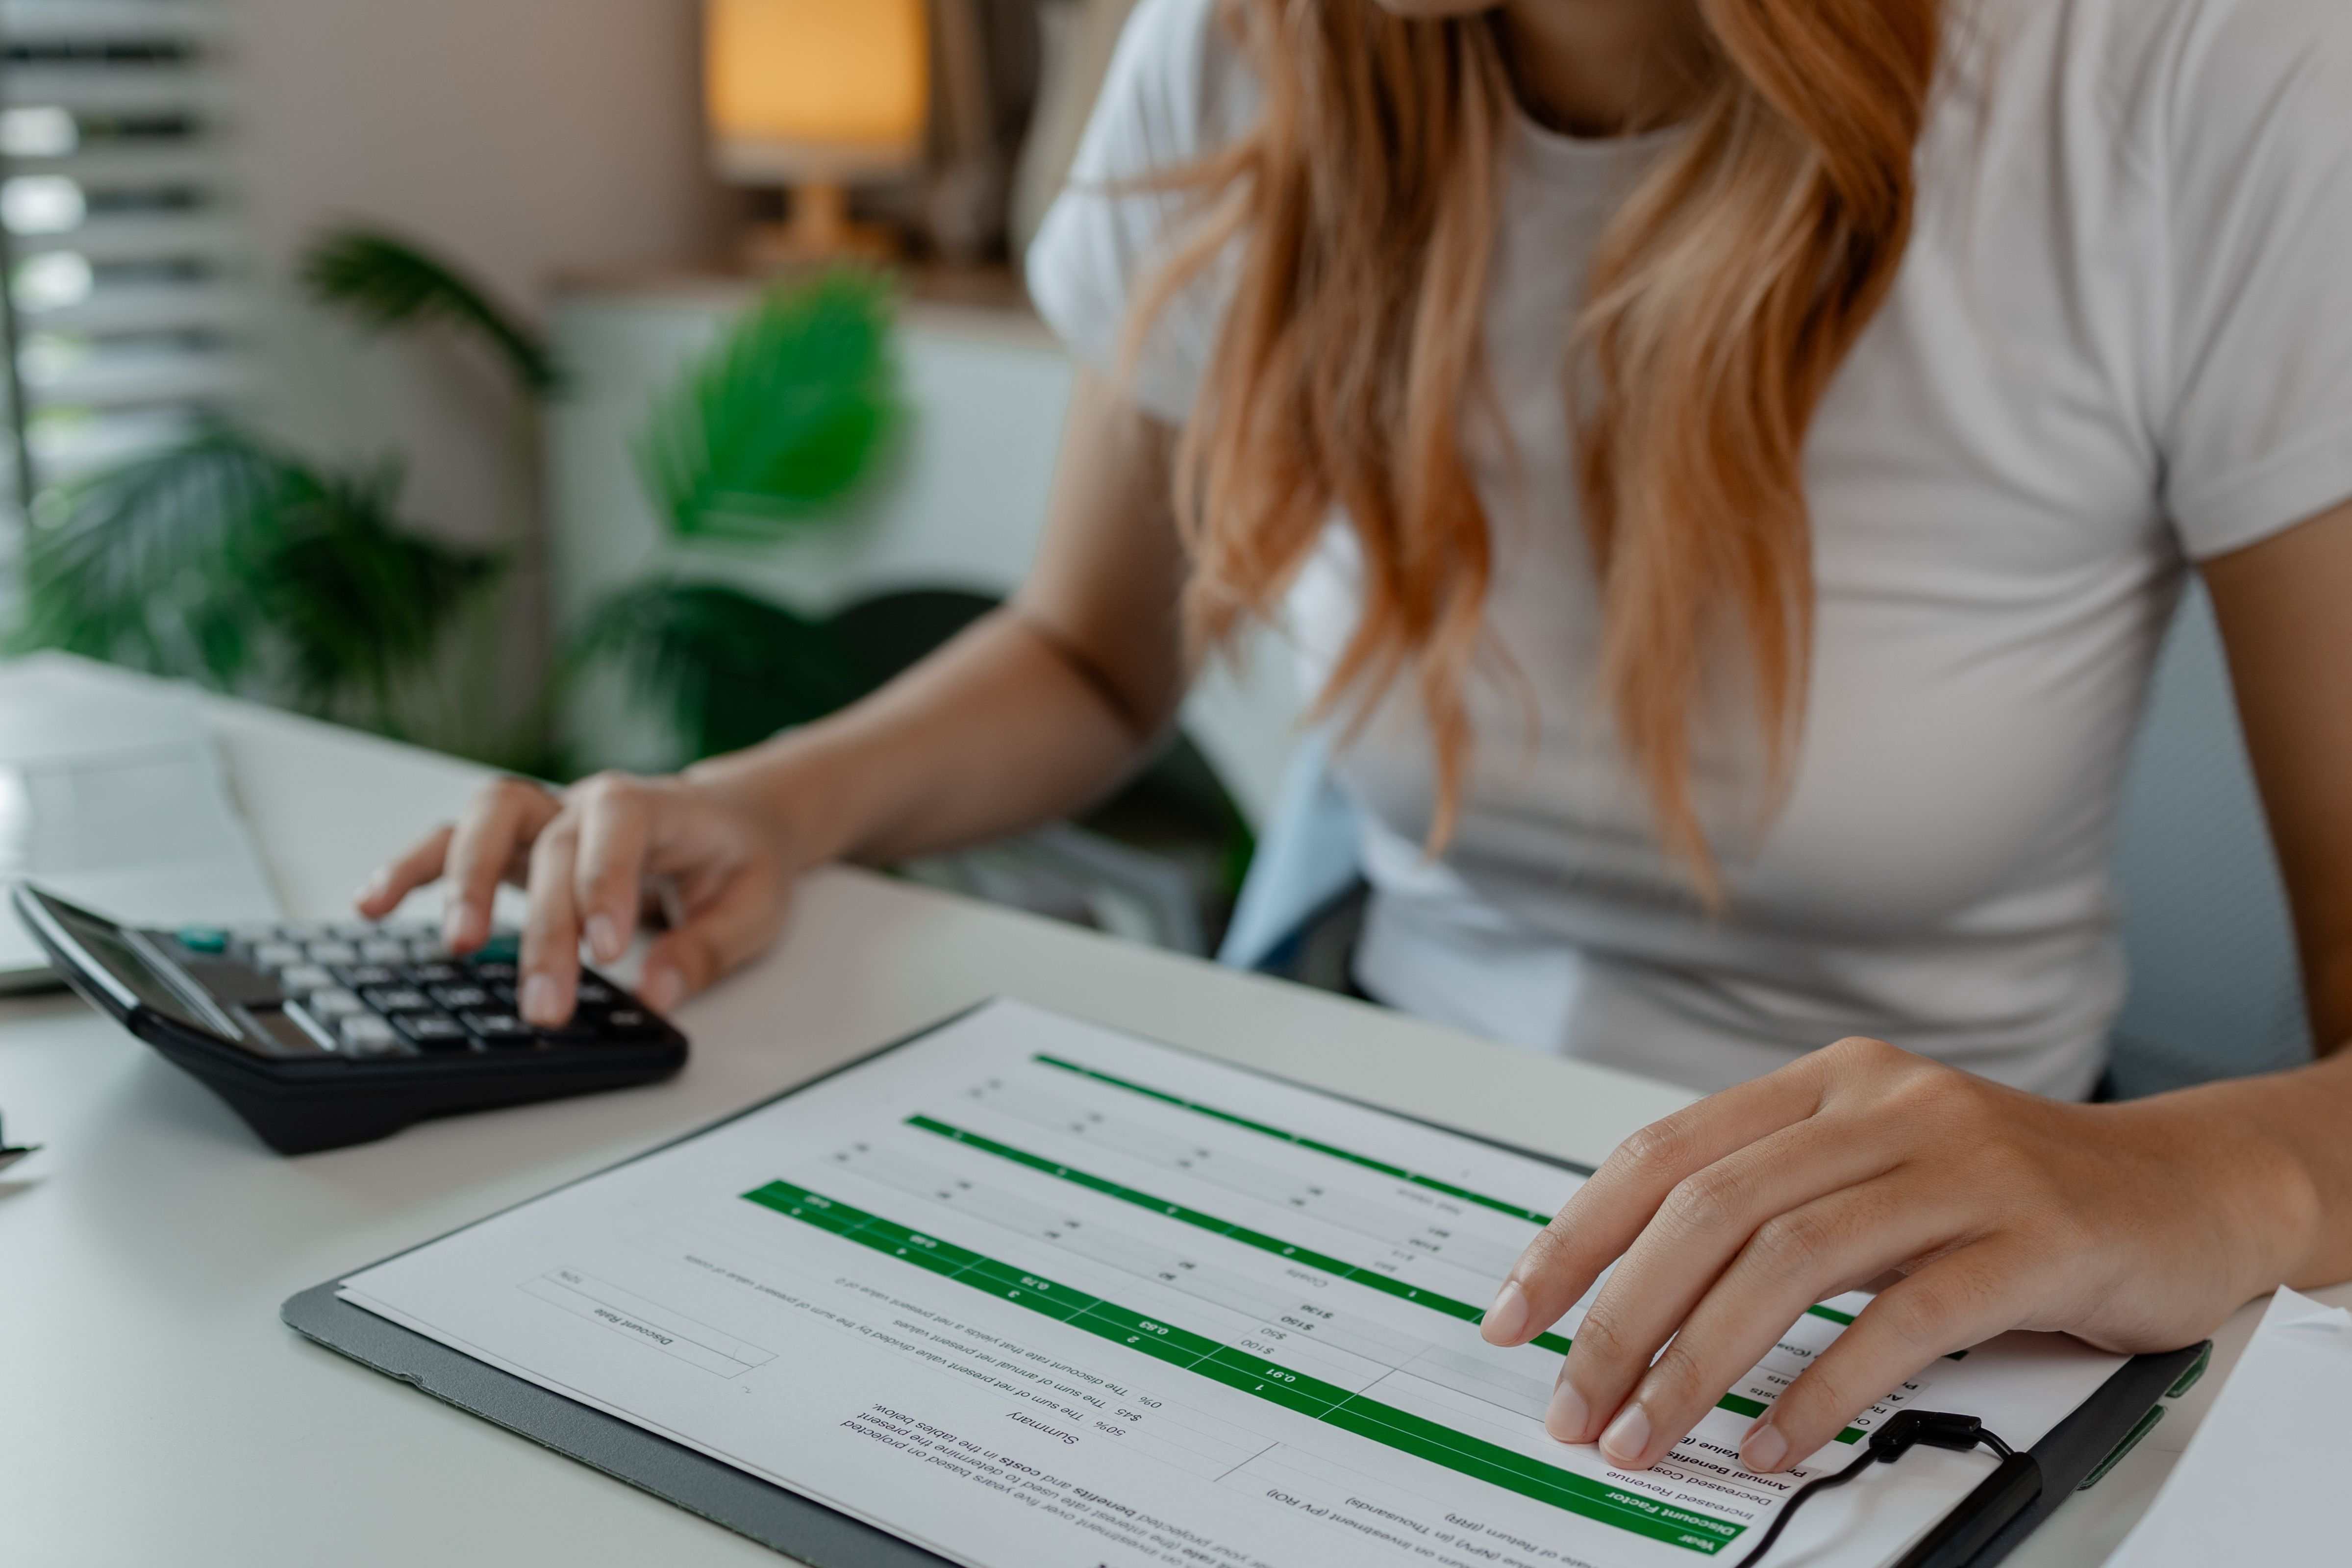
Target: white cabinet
[(960, 506)]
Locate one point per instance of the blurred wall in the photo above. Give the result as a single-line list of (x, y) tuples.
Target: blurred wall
[(528, 141), (523, 138)]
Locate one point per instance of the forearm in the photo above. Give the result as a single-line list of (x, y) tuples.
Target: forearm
[(2280, 606), (998, 730), (2288, 1138)]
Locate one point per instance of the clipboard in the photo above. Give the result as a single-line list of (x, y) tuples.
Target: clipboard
[(1974, 1534)]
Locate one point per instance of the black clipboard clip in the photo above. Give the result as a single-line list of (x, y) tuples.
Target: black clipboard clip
[(2000, 1497), (2010, 1503)]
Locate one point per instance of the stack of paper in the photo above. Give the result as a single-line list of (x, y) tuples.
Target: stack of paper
[(2260, 1480)]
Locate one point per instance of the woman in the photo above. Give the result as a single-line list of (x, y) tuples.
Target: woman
[(1727, 464)]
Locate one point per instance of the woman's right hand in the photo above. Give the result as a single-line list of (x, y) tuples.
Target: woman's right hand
[(593, 858), (1030, 713)]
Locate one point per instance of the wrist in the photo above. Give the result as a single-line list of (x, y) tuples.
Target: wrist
[(2306, 1112), (785, 798), (2264, 1165)]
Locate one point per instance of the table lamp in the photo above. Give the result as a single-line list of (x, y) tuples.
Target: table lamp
[(812, 95)]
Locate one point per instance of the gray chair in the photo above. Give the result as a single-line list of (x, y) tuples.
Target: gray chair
[(2214, 990)]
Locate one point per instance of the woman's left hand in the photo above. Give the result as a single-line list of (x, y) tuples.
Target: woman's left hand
[(2136, 1227)]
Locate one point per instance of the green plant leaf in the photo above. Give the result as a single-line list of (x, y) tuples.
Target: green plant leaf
[(229, 562), (151, 565), (390, 284), (728, 670), (358, 600), (782, 418)]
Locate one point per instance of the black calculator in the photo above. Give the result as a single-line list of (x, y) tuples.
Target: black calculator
[(322, 1034)]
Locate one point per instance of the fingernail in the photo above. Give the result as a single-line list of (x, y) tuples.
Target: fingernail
[(603, 938), (457, 925), (1627, 1436), (660, 990), (1763, 1449), (538, 999), (1568, 1415), (1508, 1317), (367, 889)]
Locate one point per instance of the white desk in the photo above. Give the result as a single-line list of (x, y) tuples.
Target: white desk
[(152, 1410)]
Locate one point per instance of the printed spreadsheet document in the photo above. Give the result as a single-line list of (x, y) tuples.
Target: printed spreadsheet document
[(1033, 1293)]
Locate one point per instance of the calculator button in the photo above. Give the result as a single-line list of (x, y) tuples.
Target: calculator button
[(350, 930), (427, 950), (434, 974), (382, 952), (434, 1031), (507, 995), (364, 1034), (591, 994), (461, 998), (332, 953), (302, 978), (500, 1028), (360, 976), (305, 931), (581, 1028), (631, 1023), (203, 938), (275, 954), (334, 1002), (495, 971), (398, 999), (503, 947)]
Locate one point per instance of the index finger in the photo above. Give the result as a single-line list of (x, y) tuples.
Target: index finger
[(505, 815), (394, 880), (1605, 1215)]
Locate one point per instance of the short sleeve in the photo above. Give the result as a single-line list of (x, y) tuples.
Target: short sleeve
[(1172, 94), (2258, 435)]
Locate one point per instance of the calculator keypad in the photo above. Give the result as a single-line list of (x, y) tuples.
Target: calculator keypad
[(333, 1002), (385, 991), (301, 979), (364, 1034), (433, 1031)]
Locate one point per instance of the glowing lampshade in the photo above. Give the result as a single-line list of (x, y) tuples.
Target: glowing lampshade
[(815, 90)]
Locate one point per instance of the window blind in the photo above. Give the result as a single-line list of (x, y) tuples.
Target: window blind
[(123, 251)]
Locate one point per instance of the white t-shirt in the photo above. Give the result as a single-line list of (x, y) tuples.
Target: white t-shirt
[(2121, 341)]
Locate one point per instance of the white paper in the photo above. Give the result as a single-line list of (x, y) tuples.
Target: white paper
[(120, 802), (2259, 1481), (1349, 1414)]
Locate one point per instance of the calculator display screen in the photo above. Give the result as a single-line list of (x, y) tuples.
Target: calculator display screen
[(103, 941)]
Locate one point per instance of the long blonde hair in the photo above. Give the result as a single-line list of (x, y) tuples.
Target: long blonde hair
[(1361, 213)]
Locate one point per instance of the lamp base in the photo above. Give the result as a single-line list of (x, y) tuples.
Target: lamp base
[(818, 230)]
